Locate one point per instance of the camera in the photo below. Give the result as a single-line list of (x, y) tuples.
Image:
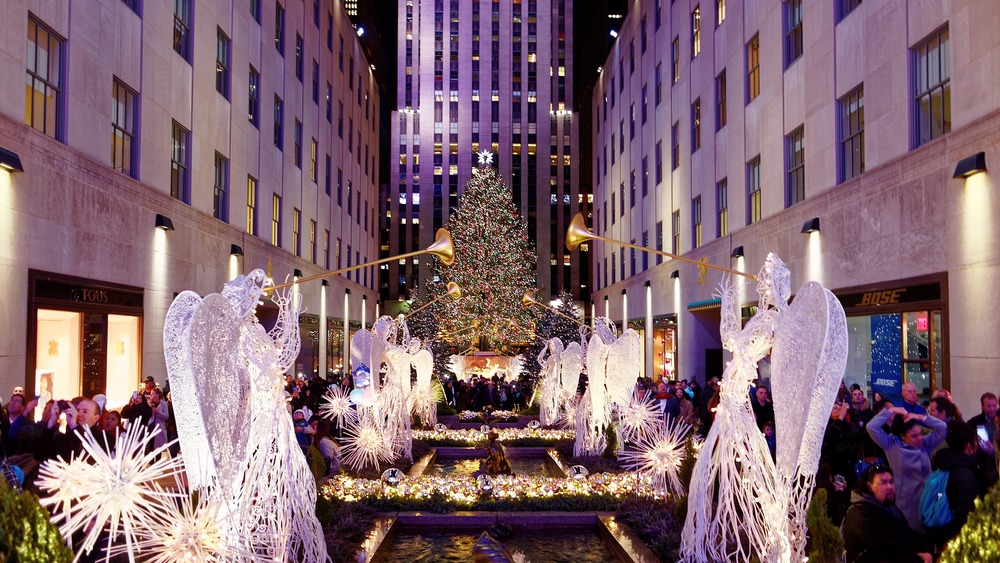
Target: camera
[(63, 405)]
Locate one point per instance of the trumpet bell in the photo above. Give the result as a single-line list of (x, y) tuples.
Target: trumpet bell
[(443, 247), (454, 290), (528, 299), (577, 232)]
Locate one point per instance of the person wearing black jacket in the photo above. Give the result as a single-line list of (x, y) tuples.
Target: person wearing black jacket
[(965, 481), (874, 530)]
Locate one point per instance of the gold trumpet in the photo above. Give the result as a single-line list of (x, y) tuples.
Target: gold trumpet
[(443, 247), (578, 233), (529, 299), (453, 291)]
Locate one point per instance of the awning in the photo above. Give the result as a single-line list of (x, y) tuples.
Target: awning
[(705, 304)]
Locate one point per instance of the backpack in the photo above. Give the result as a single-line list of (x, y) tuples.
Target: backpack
[(934, 508)]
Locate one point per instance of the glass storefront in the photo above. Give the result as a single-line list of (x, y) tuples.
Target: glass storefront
[(86, 339), (664, 345), (896, 336)]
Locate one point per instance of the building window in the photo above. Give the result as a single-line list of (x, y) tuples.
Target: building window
[(621, 198), (279, 28), (631, 193), (852, 134), (329, 180), (279, 123), (251, 205), (795, 156), (220, 199), (182, 28), (932, 91), (326, 248), (675, 151), (180, 139), (316, 83), (753, 68), (658, 95), (675, 223), (695, 31), (720, 100), (696, 125), (656, 15), (720, 12), (645, 176), (340, 119), (722, 207), (696, 221), (296, 233), (340, 187), (642, 36), (124, 117), (793, 30), (675, 60), (659, 162), (329, 102), (43, 104), (645, 255), (276, 220), (255, 10), (753, 190), (299, 55), (845, 7), (298, 144), (253, 94), (659, 241), (313, 149), (614, 267), (223, 76), (312, 241), (644, 104), (135, 6)]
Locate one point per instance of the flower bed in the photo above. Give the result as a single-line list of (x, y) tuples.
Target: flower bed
[(511, 437), (494, 416), (505, 492)]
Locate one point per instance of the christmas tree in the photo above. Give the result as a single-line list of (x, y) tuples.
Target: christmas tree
[(494, 264)]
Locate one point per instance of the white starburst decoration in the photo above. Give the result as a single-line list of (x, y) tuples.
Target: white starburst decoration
[(485, 158), (658, 454), (637, 418), (119, 494), (196, 527), (567, 418), (337, 406), (365, 445)]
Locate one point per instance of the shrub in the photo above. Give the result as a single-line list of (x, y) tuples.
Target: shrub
[(656, 524), (977, 541), (26, 535), (825, 543), (345, 526)]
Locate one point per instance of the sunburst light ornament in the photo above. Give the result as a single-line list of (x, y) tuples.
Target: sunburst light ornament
[(337, 406), (364, 445), (658, 454), (117, 494), (637, 418)]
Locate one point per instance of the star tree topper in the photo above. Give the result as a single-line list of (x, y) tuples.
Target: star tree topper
[(485, 158)]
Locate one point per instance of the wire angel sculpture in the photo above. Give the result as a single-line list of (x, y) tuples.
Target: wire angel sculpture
[(236, 434), (741, 505)]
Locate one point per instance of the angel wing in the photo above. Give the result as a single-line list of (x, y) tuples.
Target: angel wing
[(572, 363), (808, 358), (624, 364), (198, 462), (222, 383)]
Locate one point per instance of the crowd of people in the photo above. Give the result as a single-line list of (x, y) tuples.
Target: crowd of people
[(877, 456)]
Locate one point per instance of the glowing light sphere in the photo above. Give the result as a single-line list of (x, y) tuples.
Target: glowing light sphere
[(658, 455), (364, 445), (534, 425), (485, 483), (440, 427), (392, 476), (578, 472)]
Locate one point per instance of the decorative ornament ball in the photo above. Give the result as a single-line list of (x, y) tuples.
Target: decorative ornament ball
[(440, 427), (485, 429), (534, 425), (578, 472), (392, 476), (485, 483)]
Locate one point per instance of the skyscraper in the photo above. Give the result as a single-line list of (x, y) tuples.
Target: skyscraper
[(483, 76)]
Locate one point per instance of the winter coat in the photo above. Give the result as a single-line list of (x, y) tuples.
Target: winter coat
[(875, 533), (910, 465), (964, 485)]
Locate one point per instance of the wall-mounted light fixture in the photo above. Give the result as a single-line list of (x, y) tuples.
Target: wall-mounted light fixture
[(297, 273), (676, 274), (235, 250), (9, 161), (970, 166), (738, 252), (811, 226), (647, 284), (614, 33), (163, 222), (325, 283)]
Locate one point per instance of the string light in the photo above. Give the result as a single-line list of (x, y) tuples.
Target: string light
[(475, 436)]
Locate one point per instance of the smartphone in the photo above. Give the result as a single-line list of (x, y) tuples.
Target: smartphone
[(135, 395), (983, 435)]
